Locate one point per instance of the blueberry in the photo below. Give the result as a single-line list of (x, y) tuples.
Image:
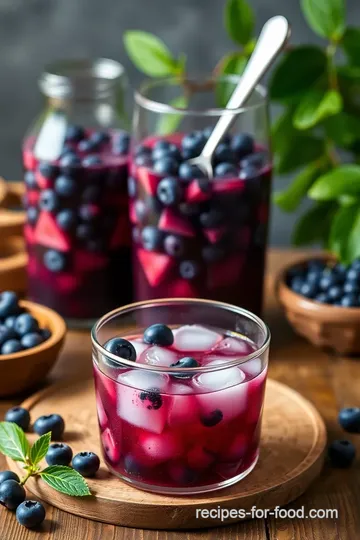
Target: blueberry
[(335, 293), (54, 260), (349, 419), (10, 321), (136, 234), (184, 363), (88, 212), (48, 170), (142, 150), (92, 193), (6, 334), (322, 298), (355, 265), (351, 288), (174, 245), (48, 200), (212, 253), (132, 187), (159, 334), (341, 454), (212, 419), (316, 265), (66, 149), (188, 269), (189, 172), (353, 275), (151, 238), (91, 161), (223, 153), (132, 466), (65, 186), (225, 169), (328, 279), (9, 304), (18, 416), (74, 133), (66, 219), (309, 290), (11, 346), (248, 172), (258, 160), (32, 214), (25, 323), (153, 397), (8, 475), (30, 514), (171, 151), (11, 494), (190, 210), (86, 146), (340, 270), (45, 333), (192, 144), (212, 218), (99, 137), (50, 422), (30, 180), (84, 231), (166, 165), (121, 144), (59, 454), (122, 348), (143, 160), (86, 463), (32, 339), (169, 191), (349, 300), (313, 277), (69, 161), (242, 145), (207, 132)]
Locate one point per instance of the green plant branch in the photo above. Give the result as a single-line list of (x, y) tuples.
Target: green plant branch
[(26, 477), (332, 75)]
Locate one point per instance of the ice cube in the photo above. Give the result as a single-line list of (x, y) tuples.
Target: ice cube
[(102, 416), (110, 445), (184, 408), (139, 347), (237, 449), (225, 395), (194, 337), (140, 401), (160, 448), (158, 356), (233, 346), (252, 368)]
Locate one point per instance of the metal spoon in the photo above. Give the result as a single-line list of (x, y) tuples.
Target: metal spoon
[(272, 39)]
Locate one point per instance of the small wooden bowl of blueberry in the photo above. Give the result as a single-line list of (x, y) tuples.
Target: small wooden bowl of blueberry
[(321, 298), (31, 336)]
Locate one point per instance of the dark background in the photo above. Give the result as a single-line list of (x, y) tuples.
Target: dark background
[(34, 32)]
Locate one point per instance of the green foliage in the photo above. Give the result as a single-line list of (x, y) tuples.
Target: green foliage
[(13, 442), (65, 480), (39, 448), (319, 96)]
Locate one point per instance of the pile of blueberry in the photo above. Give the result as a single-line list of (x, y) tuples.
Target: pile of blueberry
[(342, 452), (327, 283), (19, 330), (31, 514), (166, 158)]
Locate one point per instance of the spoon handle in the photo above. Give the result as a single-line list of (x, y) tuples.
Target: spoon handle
[(272, 39)]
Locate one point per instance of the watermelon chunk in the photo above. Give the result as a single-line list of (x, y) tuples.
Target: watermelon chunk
[(48, 234), (214, 235), (194, 193), (32, 197), (132, 212), (29, 234), (148, 180), (173, 222), (122, 234), (42, 182), (181, 288), (156, 266), (227, 272), (228, 186), (87, 260), (29, 159)]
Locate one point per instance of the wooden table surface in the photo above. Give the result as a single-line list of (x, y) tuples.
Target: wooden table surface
[(329, 382)]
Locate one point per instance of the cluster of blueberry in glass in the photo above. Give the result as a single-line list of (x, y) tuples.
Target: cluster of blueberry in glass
[(342, 453), (19, 330), (333, 284)]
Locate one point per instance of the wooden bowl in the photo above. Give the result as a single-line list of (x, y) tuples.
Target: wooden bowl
[(11, 221), (25, 369), (327, 326), (13, 261)]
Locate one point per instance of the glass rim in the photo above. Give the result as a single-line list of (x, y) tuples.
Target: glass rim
[(195, 301), (153, 105)]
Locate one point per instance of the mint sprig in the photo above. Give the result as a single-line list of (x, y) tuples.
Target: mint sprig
[(14, 444)]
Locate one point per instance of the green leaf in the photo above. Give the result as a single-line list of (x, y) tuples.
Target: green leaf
[(39, 448), (299, 150), (282, 129), (345, 179), (343, 129), (149, 54), (168, 123), (290, 198), (351, 45), (232, 64), (326, 17), (181, 64), (299, 69), (65, 480), (315, 106), (239, 21), (13, 442), (314, 225), (345, 233)]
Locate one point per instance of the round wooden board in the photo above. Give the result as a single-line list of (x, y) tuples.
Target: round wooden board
[(292, 451)]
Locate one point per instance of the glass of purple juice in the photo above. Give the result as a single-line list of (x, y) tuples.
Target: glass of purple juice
[(194, 236), (75, 170), (179, 391)]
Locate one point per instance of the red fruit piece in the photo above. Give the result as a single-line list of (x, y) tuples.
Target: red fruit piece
[(110, 445), (48, 234), (86, 260), (214, 235), (32, 197), (67, 282), (226, 186), (122, 234), (33, 266), (148, 180), (29, 159), (132, 212), (156, 266), (181, 288), (194, 193), (199, 458), (160, 447), (29, 234), (172, 222), (226, 272), (42, 182)]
